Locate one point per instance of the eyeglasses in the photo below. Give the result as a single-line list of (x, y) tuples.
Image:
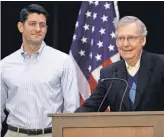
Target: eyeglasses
[(34, 24), (130, 39)]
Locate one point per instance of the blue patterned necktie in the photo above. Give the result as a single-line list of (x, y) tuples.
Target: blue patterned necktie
[(132, 92)]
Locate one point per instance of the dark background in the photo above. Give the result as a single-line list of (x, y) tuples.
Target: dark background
[(62, 20), (63, 15)]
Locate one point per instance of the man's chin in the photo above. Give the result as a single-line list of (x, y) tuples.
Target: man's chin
[(36, 43), (128, 57)]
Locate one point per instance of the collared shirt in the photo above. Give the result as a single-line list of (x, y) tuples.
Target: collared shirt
[(34, 86), (132, 70)]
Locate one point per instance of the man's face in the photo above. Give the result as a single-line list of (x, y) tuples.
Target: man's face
[(130, 42), (33, 29)]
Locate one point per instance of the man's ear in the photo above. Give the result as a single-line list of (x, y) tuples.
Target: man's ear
[(144, 41), (20, 27)]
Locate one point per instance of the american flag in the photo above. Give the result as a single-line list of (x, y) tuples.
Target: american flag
[(94, 44)]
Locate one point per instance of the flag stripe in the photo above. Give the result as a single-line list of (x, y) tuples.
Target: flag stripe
[(94, 44), (84, 87)]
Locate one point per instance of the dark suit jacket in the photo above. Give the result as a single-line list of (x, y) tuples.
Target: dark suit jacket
[(162, 56), (149, 93)]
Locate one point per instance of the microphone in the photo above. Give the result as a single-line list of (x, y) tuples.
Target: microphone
[(107, 90), (113, 78)]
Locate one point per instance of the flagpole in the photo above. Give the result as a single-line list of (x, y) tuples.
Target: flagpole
[(116, 10)]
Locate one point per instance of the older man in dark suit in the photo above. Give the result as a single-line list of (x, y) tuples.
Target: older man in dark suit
[(135, 83)]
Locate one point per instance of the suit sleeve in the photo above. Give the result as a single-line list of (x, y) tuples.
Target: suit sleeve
[(92, 104), (161, 94)]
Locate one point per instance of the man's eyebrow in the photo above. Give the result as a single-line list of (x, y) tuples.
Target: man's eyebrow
[(36, 21), (32, 21)]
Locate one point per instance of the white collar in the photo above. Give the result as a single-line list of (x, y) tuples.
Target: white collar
[(38, 52), (137, 65)]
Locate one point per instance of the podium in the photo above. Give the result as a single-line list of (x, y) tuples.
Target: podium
[(109, 124)]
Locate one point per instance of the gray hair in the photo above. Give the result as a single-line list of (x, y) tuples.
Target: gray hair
[(131, 19)]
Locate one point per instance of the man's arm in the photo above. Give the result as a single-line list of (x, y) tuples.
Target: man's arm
[(3, 97), (70, 86), (92, 104)]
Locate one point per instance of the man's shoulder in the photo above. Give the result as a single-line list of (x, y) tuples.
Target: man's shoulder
[(113, 66), (154, 57), (11, 57), (55, 53), (53, 50)]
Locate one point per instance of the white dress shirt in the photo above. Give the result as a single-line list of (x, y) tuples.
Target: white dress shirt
[(132, 70), (34, 86)]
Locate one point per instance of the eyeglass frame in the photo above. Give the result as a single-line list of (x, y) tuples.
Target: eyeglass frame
[(130, 39)]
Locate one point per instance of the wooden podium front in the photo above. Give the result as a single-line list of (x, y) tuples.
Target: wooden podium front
[(108, 124)]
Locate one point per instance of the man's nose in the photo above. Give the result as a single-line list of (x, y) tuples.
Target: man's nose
[(126, 42), (37, 27)]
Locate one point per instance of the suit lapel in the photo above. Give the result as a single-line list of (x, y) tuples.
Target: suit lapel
[(143, 77)]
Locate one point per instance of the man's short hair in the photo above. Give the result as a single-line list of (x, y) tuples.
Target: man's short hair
[(33, 8), (132, 19)]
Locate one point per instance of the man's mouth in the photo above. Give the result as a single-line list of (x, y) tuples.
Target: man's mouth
[(127, 50), (36, 34)]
